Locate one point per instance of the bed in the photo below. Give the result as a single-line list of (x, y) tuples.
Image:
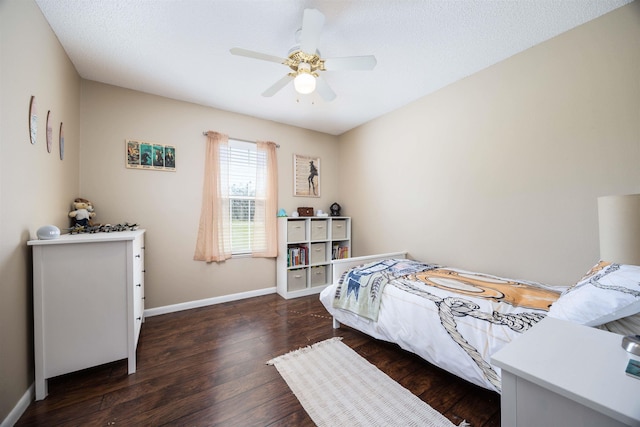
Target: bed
[(456, 319)]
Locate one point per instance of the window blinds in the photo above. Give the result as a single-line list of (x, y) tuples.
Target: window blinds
[(244, 165)]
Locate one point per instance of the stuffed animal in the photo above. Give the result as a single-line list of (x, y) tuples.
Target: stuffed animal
[(82, 212)]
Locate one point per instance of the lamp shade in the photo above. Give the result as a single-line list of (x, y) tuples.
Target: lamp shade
[(619, 224)]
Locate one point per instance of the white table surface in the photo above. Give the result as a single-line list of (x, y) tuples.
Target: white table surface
[(88, 238), (583, 364)]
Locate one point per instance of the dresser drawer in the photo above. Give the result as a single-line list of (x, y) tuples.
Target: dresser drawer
[(296, 279), (318, 253), (338, 229), (318, 275), (319, 230), (296, 231)]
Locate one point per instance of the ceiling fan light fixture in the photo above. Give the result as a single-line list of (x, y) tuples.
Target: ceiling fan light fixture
[(304, 81), (305, 62)]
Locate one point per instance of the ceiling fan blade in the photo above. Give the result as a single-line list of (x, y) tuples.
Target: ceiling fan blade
[(324, 90), (367, 62), (277, 86), (256, 55), (312, 23)]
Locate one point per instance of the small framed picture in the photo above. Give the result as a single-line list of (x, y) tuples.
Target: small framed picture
[(133, 154), (169, 157), (146, 156), (306, 176)]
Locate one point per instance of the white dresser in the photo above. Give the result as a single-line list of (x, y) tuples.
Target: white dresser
[(88, 302), (563, 374)]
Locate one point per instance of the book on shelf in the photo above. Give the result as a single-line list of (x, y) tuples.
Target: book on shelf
[(297, 255), (339, 252)]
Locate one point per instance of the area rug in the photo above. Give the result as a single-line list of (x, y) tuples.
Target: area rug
[(337, 387)]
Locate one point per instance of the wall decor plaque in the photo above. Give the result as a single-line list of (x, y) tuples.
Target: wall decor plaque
[(33, 120), (49, 132), (61, 142), (150, 156)]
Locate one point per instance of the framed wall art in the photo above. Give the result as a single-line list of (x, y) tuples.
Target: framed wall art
[(150, 156), (306, 176)]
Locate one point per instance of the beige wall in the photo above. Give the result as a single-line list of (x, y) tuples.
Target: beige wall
[(35, 186), (500, 172), (167, 204)]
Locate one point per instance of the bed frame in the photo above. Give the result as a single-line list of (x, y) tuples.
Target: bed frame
[(340, 266)]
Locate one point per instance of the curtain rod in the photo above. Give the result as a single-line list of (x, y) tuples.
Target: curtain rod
[(205, 133)]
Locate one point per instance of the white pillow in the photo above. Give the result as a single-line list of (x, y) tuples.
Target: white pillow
[(608, 292)]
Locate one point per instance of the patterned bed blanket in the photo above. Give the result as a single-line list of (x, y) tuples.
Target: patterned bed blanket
[(449, 316), (360, 289)]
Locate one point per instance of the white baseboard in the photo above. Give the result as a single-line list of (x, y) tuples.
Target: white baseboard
[(20, 407), (208, 301)]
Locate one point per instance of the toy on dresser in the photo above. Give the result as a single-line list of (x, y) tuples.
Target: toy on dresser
[(82, 213)]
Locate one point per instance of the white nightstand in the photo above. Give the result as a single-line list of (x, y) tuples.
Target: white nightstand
[(563, 374)]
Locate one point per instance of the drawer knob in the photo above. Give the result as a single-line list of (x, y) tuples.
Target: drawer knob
[(138, 256), (139, 285), (138, 318)]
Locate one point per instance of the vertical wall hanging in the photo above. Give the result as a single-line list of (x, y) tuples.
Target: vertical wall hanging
[(49, 132), (61, 142), (306, 176), (33, 120)]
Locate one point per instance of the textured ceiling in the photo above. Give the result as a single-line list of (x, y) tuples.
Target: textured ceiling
[(180, 48)]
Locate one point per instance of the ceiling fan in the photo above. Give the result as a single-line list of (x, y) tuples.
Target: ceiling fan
[(305, 61)]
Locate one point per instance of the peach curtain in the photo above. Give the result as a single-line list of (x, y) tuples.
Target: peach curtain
[(264, 239), (214, 232)]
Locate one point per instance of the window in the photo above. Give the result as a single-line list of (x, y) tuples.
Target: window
[(243, 164), (239, 200)]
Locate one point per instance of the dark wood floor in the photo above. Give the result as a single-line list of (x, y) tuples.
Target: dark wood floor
[(206, 367)]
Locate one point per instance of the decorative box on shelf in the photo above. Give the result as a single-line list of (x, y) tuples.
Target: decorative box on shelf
[(305, 211)]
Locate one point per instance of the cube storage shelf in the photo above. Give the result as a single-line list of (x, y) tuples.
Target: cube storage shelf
[(306, 246)]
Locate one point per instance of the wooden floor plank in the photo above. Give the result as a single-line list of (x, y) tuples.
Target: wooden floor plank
[(207, 366)]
